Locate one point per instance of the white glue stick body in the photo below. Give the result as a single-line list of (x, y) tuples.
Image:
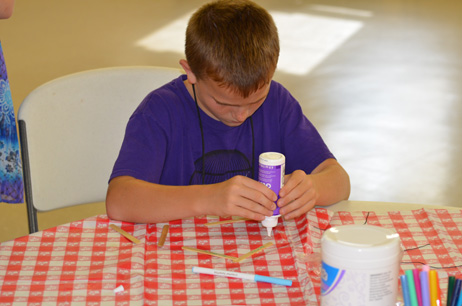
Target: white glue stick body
[(271, 171)]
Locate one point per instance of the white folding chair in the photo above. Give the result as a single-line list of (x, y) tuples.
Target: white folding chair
[(71, 131)]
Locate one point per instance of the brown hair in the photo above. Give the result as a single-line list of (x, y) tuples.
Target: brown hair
[(233, 42)]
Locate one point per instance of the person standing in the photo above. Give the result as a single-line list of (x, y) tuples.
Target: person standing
[(11, 182)]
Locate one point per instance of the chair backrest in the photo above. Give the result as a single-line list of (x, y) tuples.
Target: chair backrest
[(71, 131)]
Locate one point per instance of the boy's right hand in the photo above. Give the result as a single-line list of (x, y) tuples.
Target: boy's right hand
[(242, 196)]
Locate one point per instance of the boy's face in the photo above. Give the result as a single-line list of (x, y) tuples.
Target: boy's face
[(226, 105)]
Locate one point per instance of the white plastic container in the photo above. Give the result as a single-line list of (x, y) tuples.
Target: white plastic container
[(360, 266), (271, 171)]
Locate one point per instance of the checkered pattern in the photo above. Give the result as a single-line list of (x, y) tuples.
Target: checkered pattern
[(428, 236), (169, 280), (81, 263)]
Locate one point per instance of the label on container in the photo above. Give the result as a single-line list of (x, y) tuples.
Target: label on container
[(273, 178), (360, 288)]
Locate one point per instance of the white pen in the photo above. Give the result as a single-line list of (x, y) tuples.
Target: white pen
[(252, 277)]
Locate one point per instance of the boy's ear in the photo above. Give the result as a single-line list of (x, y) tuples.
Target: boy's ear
[(191, 76)]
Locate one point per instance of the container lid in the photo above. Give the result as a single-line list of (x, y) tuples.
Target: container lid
[(361, 241), (272, 158)]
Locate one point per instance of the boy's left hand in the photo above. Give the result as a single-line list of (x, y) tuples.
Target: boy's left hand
[(298, 195)]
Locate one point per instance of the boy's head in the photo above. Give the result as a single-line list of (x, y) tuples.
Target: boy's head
[(234, 43)]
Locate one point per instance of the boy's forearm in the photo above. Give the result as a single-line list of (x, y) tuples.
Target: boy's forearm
[(332, 183), (133, 200)]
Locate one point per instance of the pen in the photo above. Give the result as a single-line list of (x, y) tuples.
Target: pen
[(405, 289), (439, 302), (418, 289), (433, 288), (456, 293), (252, 277), (411, 286), (451, 282), (459, 300), (424, 285)]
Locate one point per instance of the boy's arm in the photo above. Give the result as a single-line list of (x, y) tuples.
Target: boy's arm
[(134, 200), (327, 184)]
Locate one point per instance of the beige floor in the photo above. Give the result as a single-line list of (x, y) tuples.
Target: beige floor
[(380, 79)]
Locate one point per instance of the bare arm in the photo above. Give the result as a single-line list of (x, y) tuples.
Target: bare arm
[(327, 184), (134, 200)]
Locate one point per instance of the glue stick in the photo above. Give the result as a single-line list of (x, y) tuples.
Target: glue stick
[(271, 171)]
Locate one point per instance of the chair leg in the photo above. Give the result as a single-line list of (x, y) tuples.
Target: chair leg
[(32, 218), (31, 211)]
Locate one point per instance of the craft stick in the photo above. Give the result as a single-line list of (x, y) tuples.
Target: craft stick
[(210, 253), (266, 245), (163, 235), (226, 221), (125, 234)]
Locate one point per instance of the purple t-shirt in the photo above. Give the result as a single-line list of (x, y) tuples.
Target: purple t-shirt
[(163, 139)]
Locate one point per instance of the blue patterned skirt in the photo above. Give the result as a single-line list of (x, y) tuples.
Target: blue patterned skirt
[(11, 183)]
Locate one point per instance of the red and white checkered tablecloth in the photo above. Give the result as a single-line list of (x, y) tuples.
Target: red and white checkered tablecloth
[(168, 276), (81, 263)]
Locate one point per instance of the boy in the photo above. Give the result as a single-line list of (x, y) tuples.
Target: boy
[(192, 146)]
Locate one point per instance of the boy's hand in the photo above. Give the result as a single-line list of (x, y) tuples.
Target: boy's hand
[(244, 197), (298, 195)]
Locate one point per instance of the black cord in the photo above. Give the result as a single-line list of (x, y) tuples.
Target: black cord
[(416, 248), (367, 217), (253, 149), (203, 142), (432, 267), (422, 263), (202, 134)]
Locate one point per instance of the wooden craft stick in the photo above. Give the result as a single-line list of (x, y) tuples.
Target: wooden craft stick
[(266, 245), (226, 221), (125, 234), (163, 235), (210, 253)]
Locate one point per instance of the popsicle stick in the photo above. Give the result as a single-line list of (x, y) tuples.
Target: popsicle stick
[(226, 221), (266, 245), (163, 235), (210, 253), (125, 234)]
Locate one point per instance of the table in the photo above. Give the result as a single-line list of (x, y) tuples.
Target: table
[(81, 263)]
